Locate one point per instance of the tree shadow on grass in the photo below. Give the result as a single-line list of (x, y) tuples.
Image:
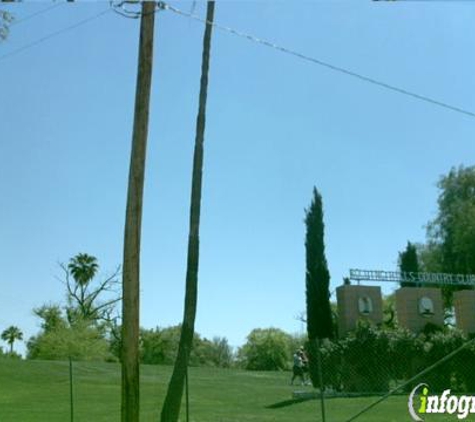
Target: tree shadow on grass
[(290, 402)]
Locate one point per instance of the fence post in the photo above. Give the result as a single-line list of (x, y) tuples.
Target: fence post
[(71, 397), (187, 396), (320, 379)]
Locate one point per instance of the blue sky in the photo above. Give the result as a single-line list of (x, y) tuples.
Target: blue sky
[(276, 127)]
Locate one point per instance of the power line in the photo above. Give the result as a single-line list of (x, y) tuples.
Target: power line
[(313, 60), (251, 38), (54, 34), (40, 12)]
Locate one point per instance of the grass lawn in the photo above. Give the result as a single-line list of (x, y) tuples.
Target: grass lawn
[(37, 391)]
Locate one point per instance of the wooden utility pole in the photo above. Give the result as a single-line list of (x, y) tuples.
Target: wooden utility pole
[(130, 409), (171, 406)]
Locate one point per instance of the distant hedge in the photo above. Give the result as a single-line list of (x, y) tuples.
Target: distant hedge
[(371, 359)]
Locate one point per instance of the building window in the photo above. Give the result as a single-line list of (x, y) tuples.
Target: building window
[(365, 305), (426, 307)]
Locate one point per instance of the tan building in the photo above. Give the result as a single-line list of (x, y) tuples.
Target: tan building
[(464, 304), (358, 302), (418, 306)]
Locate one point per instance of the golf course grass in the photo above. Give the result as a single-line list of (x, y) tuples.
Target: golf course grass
[(37, 391)]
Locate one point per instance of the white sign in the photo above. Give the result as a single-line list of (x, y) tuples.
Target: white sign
[(416, 278)]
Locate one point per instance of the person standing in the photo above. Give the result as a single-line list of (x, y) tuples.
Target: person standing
[(305, 368), (297, 368)]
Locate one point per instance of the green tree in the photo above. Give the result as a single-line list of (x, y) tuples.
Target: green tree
[(408, 262), (60, 339), (52, 317), (451, 235), (317, 280), (83, 268), (453, 229), (160, 346), (10, 335), (215, 352), (221, 353), (79, 342), (266, 349), (389, 311), (85, 296), (172, 403), (430, 257)]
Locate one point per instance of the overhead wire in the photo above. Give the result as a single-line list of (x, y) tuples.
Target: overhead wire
[(54, 34), (165, 6), (33, 15), (319, 62)]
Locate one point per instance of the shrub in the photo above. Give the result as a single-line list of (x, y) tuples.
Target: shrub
[(266, 350), (80, 342), (372, 359), (365, 360), (160, 346)]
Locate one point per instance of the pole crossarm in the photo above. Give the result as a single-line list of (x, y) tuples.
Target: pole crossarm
[(437, 279)]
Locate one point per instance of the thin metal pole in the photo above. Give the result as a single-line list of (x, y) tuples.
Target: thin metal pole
[(71, 397), (320, 379), (187, 396)]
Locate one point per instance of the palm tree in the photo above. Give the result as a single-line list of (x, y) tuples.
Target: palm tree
[(11, 334), (171, 405), (83, 295), (83, 268)]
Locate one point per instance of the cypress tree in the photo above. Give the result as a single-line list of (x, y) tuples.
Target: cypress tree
[(408, 262), (317, 280)]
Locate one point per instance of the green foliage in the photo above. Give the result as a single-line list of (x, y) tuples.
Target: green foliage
[(9, 355), (451, 235), (51, 316), (389, 311), (85, 296), (59, 339), (331, 353), (266, 349), (409, 262), (320, 322), (454, 226), (373, 360), (436, 346), (6, 19), (296, 342), (10, 335), (430, 257), (365, 359), (317, 280), (160, 346), (216, 352), (83, 268), (80, 327), (80, 342)]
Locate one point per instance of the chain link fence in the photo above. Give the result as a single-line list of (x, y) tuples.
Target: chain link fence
[(381, 365), (366, 376)]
